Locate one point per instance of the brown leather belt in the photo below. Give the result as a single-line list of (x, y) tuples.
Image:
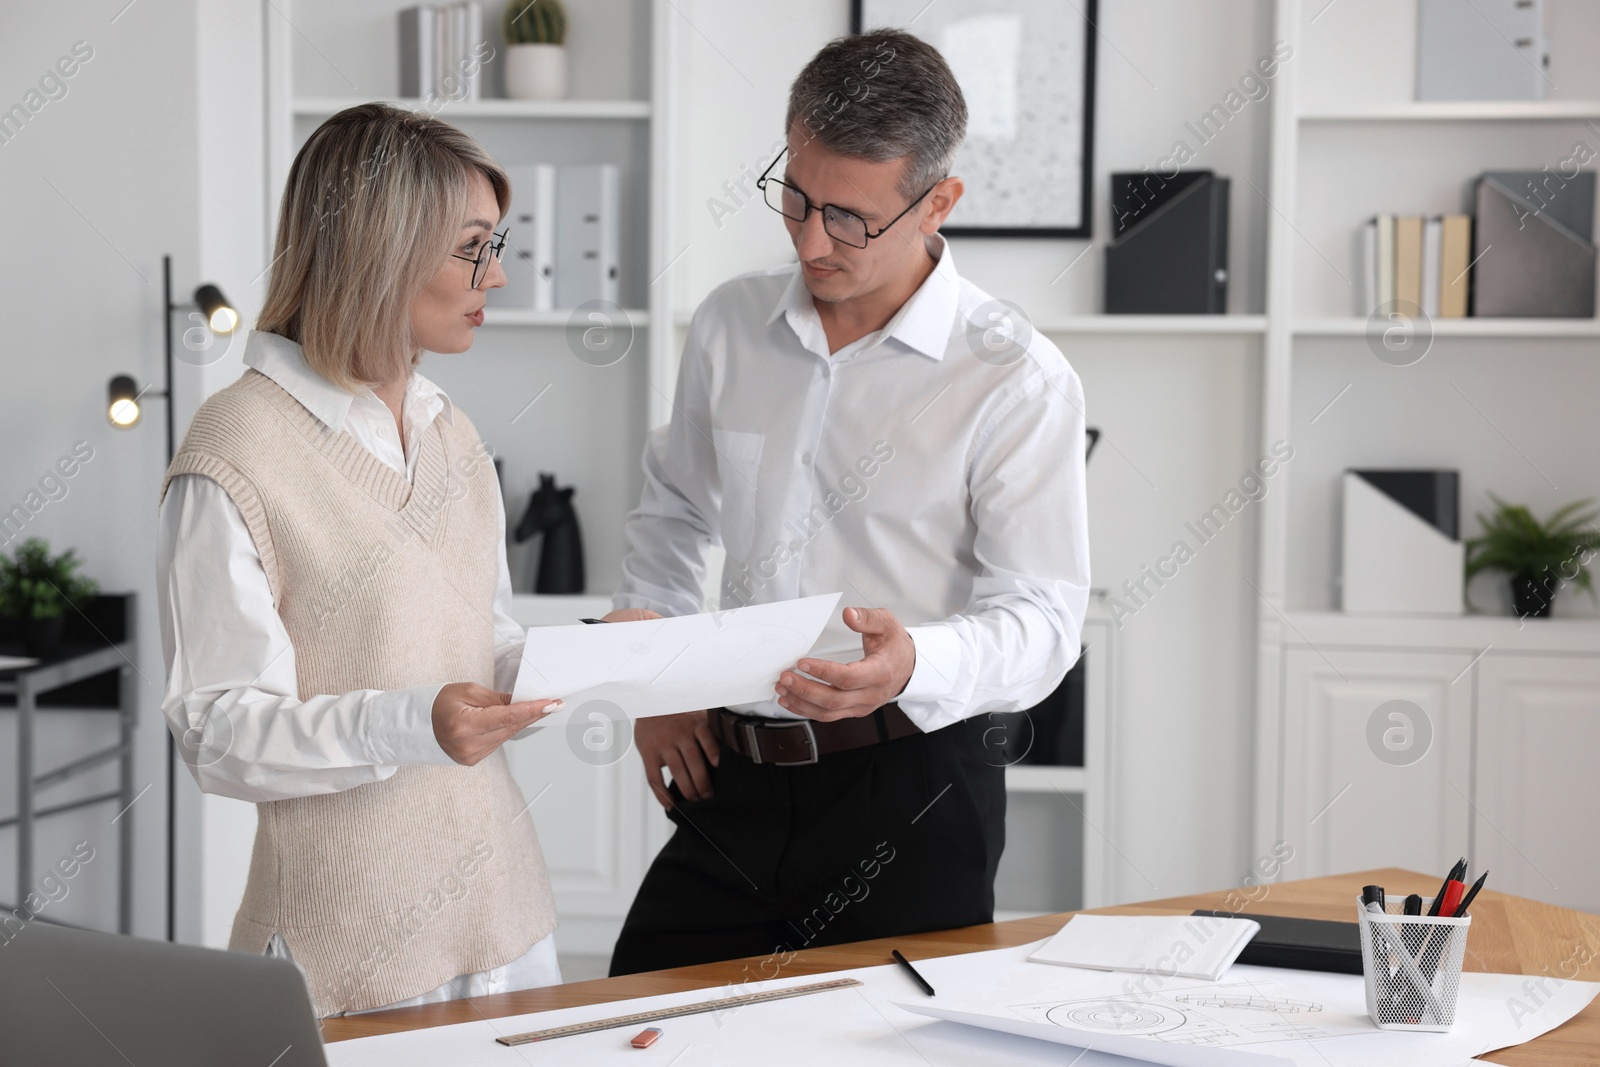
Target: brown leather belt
[(798, 742)]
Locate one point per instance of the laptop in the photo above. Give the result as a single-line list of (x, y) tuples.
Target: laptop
[(89, 998)]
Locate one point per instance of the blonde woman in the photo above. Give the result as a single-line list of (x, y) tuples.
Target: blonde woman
[(334, 593)]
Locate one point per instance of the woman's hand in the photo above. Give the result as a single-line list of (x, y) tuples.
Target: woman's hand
[(470, 721)]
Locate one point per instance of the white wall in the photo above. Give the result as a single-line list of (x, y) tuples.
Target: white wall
[(97, 186)]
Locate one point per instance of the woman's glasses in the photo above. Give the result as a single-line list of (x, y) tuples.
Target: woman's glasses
[(480, 265)]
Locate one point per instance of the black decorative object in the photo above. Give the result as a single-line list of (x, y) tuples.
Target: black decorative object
[(550, 512), (1169, 244)]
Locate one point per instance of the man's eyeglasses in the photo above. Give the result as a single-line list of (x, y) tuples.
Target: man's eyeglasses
[(480, 265), (843, 226)]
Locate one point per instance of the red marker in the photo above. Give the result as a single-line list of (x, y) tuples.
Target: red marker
[(647, 1037), (1453, 890)]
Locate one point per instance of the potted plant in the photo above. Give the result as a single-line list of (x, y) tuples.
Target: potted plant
[(536, 56), (36, 589), (1538, 557)]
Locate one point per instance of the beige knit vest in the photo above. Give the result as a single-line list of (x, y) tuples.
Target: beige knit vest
[(387, 890)]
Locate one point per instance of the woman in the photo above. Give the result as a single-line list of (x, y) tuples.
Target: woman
[(334, 590)]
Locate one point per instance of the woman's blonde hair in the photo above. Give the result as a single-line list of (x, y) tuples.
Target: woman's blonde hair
[(374, 203)]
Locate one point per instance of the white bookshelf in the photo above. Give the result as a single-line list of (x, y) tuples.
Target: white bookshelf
[(322, 107), (1244, 325), (1530, 328), (1493, 398), (1460, 111), (518, 317)]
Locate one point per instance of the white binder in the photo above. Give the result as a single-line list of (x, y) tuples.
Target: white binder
[(1481, 50), (586, 233), (529, 255)]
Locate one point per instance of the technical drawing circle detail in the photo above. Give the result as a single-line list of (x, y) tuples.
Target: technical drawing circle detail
[(1117, 1016)]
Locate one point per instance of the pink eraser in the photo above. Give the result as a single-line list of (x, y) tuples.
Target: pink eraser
[(647, 1037)]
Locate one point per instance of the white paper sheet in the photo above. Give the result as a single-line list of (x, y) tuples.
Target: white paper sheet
[(666, 666), (875, 1024)]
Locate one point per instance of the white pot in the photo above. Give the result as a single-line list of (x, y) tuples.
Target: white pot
[(536, 72)]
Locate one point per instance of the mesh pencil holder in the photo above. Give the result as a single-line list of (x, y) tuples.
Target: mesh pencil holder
[(1412, 967)]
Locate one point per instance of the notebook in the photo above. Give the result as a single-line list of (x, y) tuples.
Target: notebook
[(1183, 946), (1302, 944)]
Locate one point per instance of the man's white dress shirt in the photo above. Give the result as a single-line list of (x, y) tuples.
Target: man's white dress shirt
[(229, 659), (930, 468)]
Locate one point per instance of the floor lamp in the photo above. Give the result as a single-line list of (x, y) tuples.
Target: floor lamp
[(123, 410)]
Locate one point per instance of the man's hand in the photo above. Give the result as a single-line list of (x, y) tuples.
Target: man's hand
[(629, 615), (683, 744), (470, 721), (851, 690)]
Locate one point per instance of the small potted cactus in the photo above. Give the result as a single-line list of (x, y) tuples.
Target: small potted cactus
[(536, 54)]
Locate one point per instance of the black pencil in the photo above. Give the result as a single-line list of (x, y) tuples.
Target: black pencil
[(921, 981)]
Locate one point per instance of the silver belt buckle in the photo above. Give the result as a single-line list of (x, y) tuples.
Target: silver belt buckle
[(752, 739)]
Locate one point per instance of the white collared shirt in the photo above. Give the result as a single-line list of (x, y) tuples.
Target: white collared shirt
[(917, 469), (228, 655)]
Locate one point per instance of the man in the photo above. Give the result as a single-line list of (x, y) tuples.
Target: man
[(865, 421)]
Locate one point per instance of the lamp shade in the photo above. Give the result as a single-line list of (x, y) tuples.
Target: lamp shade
[(122, 406), (220, 315)]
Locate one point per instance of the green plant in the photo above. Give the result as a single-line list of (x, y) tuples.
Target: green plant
[(536, 22), (35, 585), (1517, 543)]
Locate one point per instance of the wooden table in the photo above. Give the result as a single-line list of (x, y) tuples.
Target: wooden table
[(1510, 935)]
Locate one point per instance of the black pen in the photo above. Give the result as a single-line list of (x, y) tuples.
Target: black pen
[(1461, 909), (592, 622), (1455, 875), (921, 981)]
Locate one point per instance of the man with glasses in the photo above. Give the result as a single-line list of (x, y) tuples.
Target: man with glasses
[(871, 422)]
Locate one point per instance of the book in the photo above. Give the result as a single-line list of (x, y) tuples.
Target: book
[(1385, 259), (1455, 252), (418, 41), (1408, 260), (1430, 267), (1369, 268)]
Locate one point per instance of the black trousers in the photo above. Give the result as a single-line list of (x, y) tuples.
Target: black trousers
[(894, 838)]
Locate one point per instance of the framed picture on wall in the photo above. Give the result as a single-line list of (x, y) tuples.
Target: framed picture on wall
[(1026, 69)]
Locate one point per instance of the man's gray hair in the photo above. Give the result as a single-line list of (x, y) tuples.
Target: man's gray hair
[(879, 96)]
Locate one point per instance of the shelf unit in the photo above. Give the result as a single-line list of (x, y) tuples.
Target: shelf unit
[(1419, 157), (558, 317), (323, 107), (1462, 327), (1461, 111)]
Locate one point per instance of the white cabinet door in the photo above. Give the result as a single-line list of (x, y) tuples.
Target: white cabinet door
[(1538, 795), (1376, 752), (598, 826)]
